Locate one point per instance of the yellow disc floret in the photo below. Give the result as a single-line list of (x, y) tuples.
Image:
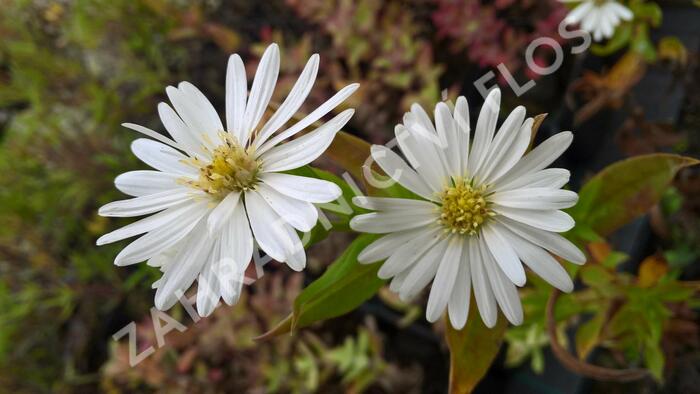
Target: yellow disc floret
[(232, 168), (464, 208)]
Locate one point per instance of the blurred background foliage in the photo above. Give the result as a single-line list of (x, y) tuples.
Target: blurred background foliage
[(72, 71)]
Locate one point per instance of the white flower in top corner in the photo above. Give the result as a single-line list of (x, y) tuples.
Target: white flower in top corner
[(481, 208), (216, 190), (598, 17)]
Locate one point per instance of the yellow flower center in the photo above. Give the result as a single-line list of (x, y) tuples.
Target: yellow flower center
[(464, 208), (232, 168)]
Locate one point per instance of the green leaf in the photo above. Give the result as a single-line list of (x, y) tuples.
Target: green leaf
[(626, 190), (343, 287), (472, 350), (588, 334), (654, 360)]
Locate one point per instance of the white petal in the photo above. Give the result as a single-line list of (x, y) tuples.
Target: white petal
[(142, 183), (162, 238), (510, 156), (503, 289), (302, 188), (236, 92), (458, 306), (392, 204), (501, 143), (211, 121), (308, 120), (422, 150), (387, 245), (623, 12), (299, 214), (208, 285), (291, 104), (396, 168), (541, 262), (166, 218), (179, 130), (153, 134), (539, 158), (461, 116), (444, 282), (268, 228), (553, 178), (556, 221), (185, 267), (305, 149), (447, 130), (188, 108), (553, 242), (144, 205), (503, 254), (406, 256), (296, 257), (483, 295), (237, 250), (261, 91), (578, 13), (389, 222), (535, 198), (161, 157), (223, 211), (485, 129), (423, 271)]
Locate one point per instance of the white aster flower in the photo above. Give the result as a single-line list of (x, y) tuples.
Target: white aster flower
[(598, 17), (215, 191), (483, 208)]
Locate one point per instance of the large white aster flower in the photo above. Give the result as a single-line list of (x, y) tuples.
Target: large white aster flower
[(218, 190), (483, 208), (598, 17)]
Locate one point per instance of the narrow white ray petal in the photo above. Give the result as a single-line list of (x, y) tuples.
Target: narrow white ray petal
[(422, 152), (553, 178), (236, 95), (458, 305), (397, 282), (503, 254), (145, 182), (541, 262), (396, 168), (501, 143), (387, 245), (160, 239), (553, 242), (292, 103), (144, 205), (208, 284), (578, 13), (447, 130), (161, 157), (503, 289), (189, 141), (305, 149), (185, 267), (153, 134), (388, 222), (539, 198), (302, 188), (510, 156), (461, 116), (392, 204), (556, 221), (623, 12), (187, 107), (423, 271), (539, 158), (268, 228), (212, 121), (299, 214), (444, 282), (308, 120), (222, 212), (485, 301), (296, 257), (485, 129), (404, 257), (261, 90), (168, 217), (237, 251)]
